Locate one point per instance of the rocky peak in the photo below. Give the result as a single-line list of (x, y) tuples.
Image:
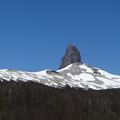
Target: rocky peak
[(71, 55)]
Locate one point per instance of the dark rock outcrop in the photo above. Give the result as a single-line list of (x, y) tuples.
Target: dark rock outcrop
[(72, 55)]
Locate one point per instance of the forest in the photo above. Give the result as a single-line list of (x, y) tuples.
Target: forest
[(34, 101)]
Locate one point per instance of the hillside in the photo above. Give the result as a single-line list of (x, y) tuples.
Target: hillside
[(33, 101)]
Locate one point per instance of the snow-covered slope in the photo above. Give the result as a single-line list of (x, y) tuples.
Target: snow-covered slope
[(74, 75)]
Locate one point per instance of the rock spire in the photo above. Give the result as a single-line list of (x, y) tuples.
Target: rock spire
[(72, 55)]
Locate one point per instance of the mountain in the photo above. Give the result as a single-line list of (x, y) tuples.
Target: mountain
[(77, 91), (74, 73), (71, 55)]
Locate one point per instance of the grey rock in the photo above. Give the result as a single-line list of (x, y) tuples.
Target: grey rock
[(52, 72), (72, 55)]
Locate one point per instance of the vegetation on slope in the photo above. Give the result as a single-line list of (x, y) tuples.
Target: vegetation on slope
[(33, 101)]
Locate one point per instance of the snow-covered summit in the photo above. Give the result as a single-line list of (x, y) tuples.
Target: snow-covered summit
[(75, 75)]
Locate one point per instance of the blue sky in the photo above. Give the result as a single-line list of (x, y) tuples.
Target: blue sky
[(35, 33)]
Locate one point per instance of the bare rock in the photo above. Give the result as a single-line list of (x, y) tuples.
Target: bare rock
[(72, 55)]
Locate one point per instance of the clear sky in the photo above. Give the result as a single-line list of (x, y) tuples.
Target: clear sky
[(35, 33)]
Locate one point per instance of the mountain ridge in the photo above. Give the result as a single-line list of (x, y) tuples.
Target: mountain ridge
[(72, 72), (77, 75)]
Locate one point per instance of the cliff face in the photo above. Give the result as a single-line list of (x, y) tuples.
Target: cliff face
[(71, 55), (33, 101)]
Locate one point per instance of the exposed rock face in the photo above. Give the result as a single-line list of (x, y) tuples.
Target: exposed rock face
[(72, 55)]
